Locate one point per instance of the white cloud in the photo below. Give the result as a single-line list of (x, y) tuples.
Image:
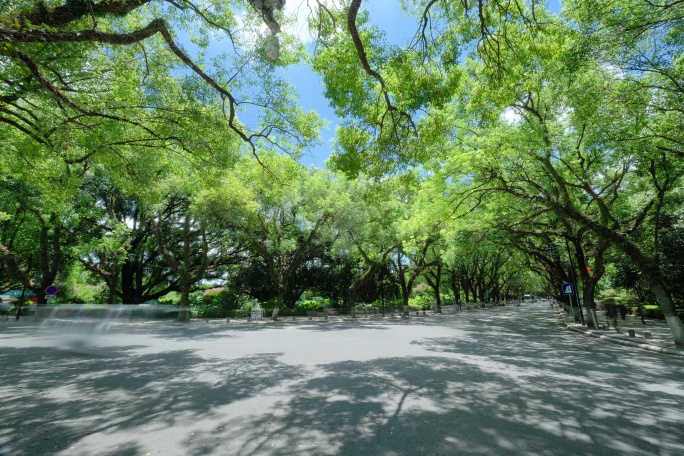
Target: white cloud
[(510, 116), (300, 10)]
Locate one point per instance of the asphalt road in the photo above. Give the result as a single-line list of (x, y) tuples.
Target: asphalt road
[(501, 381)]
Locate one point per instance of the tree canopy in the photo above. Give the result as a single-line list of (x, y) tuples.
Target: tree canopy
[(154, 144)]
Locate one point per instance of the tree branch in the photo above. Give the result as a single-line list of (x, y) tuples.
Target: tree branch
[(363, 58), (73, 10)]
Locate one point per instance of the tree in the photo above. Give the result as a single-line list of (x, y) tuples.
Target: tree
[(367, 232), (564, 152), (543, 236), (384, 90), (188, 256), (528, 123), (36, 238), (322, 273), (120, 246), (281, 216), (421, 232), (117, 65), (434, 271)]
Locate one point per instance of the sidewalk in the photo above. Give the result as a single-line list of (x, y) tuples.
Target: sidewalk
[(660, 339)]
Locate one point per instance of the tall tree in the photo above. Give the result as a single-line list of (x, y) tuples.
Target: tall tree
[(281, 215), (187, 255), (368, 233), (563, 140)]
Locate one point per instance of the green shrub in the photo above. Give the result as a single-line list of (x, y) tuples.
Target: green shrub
[(207, 312), (324, 302), (420, 302), (423, 289), (268, 306), (219, 303), (292, 312), (245, 310), (173, 298), (246, 306), (307, 305), (223, 298), (389, 303), (394, 304), (653, 312), (82, 294), (24, 309)]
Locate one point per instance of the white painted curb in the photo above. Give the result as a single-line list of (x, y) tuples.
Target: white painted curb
[(654, 348)]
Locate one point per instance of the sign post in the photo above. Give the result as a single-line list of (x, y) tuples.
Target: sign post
[(568, 290), (51, 292)]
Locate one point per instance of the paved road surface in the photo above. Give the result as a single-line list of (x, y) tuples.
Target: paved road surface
[(500, 381)]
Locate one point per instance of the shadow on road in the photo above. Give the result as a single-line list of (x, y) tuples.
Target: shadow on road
[(497, 387)]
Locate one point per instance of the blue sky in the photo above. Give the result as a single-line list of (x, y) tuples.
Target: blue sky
[(387, 16)]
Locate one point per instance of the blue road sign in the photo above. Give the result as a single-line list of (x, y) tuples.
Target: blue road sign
[(567, 289), (51, 290)]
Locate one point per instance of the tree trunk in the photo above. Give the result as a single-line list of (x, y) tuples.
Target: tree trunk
[(404, 296), (41, 303), (279, 303), (184, 311), (648, 266), (111, 291), (128, 283), (455, 288), (466, 291), (588, 290), (405, 291), (669, 311), (41, 296), (651, 270), (352, 303), (435, 285), (351, 292)]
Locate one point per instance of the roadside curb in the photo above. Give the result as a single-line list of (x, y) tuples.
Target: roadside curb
[(616, 340)]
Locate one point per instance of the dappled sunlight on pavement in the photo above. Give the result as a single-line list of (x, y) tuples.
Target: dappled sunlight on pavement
[(500, 381)]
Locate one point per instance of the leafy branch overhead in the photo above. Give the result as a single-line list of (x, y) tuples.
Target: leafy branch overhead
[(390, 93), (62, 60)]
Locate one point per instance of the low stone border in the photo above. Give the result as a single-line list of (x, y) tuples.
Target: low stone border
[(649, 347)]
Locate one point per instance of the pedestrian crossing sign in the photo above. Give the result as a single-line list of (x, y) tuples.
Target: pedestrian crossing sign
[(567, 289)]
